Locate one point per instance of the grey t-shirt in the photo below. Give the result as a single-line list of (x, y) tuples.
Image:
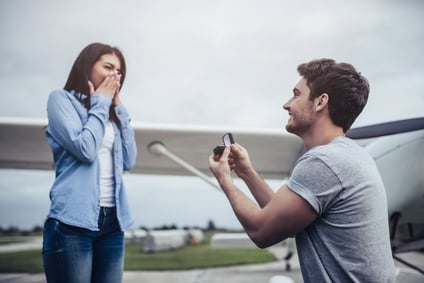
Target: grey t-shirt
[(349, 240)]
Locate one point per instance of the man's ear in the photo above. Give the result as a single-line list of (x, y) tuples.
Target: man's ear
[(321, 102)]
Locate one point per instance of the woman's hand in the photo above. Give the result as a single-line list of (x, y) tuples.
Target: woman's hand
[(116, 100), (109, 86)]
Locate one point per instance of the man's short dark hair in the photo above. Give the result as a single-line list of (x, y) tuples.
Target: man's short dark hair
[(347, 89)]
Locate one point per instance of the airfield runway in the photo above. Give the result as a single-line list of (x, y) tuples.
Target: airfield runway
[(254, 273), (236, 274)]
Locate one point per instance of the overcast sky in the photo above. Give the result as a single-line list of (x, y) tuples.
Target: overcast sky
[(223, 63), (226, 62)]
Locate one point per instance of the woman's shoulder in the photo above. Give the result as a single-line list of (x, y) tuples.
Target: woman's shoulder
[(61, 95), (58, 94), (61, 98)]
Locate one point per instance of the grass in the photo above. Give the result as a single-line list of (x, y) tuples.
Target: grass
[(191, 257), (188, 257), (25, 261), (5, 240)]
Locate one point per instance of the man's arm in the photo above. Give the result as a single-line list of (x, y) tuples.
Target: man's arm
[(240, 162), (283, 216)]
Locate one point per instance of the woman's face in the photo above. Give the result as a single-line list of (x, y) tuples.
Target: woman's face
[(108, 64)]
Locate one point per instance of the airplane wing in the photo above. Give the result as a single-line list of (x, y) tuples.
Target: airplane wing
[(397, 148), (23, 145)]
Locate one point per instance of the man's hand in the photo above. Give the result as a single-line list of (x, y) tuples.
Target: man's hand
[(239, 161), (219, 165)]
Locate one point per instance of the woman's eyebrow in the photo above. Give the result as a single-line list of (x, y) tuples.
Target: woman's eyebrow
[(112, 65)]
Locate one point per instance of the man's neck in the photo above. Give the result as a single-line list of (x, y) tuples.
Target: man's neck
[(321, 134)]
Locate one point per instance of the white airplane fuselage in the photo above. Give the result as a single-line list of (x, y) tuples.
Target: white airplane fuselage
[(400, 161)]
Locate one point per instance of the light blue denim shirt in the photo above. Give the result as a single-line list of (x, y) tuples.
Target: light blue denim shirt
[(75, 136)]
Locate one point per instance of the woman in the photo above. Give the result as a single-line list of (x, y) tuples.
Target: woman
[(92, 142)]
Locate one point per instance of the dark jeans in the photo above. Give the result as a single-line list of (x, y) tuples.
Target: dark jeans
[(77, 255)]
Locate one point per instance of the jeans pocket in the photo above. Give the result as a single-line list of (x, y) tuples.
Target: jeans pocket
[(66, 229), (67, 252), (50, 239), (57, 235)]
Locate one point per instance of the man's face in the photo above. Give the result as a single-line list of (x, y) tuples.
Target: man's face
[(300, 109)]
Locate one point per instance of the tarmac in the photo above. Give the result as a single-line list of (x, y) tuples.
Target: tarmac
[(237, 274), (253, 273)]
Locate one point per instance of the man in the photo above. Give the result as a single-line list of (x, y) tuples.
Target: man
[(334, 203)]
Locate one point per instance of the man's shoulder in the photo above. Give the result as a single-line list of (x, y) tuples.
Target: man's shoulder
[(338, 147)]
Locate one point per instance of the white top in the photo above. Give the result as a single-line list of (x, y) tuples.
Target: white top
[(107, 174)]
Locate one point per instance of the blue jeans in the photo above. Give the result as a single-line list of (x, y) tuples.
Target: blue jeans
[(77, 255)]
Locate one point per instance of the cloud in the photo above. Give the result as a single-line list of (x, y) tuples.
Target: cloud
[(186, 58)]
